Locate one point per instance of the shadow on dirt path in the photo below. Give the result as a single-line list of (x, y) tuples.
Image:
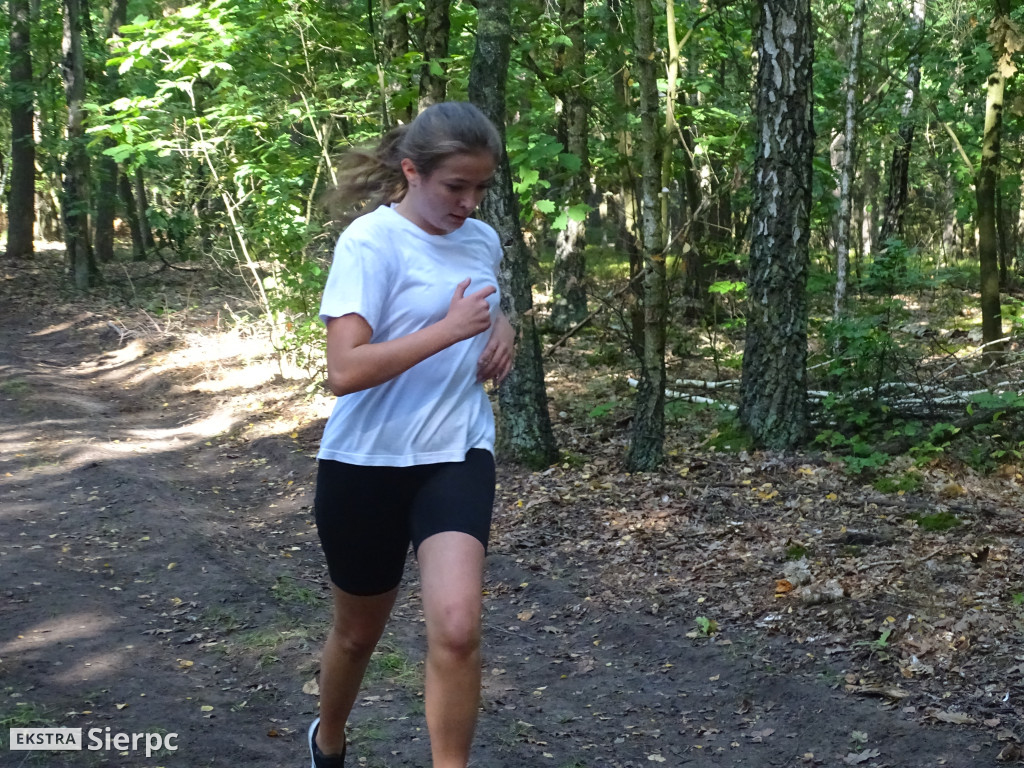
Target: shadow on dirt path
[(159, 573)]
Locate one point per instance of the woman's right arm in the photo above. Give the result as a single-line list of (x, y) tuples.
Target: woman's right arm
[(354, 363)]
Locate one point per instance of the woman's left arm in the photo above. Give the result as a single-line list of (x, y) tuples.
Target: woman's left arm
[(496, 361)]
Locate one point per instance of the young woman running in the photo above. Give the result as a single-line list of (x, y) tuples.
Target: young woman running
[(413, 331)]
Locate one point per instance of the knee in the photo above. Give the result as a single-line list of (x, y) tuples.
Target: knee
[(457, 636)]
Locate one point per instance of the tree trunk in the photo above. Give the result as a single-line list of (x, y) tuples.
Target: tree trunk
[(647, 441), (396, 47), (773, 390), (949, 224), (525, 425), (1019, 239), (434, 75), (988, 177), (570, 294), (626, 212), (131, 215), (671, 91), (848, 163), (1003, 233), (21, 205), (75, 203), (107, 170), (720, 223), (103, 215), (896, 199), (142, 209), (696, 283), (869, 204)]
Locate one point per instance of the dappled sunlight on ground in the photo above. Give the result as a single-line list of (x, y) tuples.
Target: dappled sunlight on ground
[(53, 329), (95, 667), (219, 422), (65, 629), (210, 353)]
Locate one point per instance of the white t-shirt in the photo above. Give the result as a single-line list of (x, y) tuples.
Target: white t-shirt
[(400, 279)]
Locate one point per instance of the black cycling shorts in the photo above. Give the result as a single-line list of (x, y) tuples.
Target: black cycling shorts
[(367, 516)]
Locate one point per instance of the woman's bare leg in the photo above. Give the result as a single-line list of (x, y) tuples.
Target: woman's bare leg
[(451, 573), (358, 624)]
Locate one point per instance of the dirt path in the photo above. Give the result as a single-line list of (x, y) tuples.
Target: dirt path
[(159, 573)]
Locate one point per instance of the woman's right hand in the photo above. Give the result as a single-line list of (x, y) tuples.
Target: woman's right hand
[(354, 363), (469, 315)]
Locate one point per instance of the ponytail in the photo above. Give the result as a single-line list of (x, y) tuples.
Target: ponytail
[(369, 178)]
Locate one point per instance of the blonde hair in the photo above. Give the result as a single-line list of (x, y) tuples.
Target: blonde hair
[(369, 178)]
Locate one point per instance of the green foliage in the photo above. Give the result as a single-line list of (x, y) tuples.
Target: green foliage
[(682, 411), (730, 436), (866, 358), (392, 664), (606, 264), (880, 643), (17, 713), (729, 287), (288, 592), (15, 388), (907, 482), (572, 460), (23, 714), (577, 212), (1013, 314), (996, 442), (705, 627), (796, 552), (995, 401), (245, 158), (857, 453), (937, 522), (529, 154)]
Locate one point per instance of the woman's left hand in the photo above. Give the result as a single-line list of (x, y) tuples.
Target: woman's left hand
[(496, 361)]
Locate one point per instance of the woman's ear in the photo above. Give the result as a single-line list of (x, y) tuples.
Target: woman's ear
[(409, 169)]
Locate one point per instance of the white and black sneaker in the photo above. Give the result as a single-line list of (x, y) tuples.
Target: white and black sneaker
[(317, 758)]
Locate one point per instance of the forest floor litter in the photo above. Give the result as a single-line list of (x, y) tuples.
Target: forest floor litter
[(160, 572)]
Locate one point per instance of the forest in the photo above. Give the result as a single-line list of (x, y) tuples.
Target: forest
[(808, 220)]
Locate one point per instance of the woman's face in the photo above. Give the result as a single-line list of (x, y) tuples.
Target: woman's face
[(442, 201)]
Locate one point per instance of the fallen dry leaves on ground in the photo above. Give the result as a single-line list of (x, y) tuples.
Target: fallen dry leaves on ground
[(917, 597), (800, 562)]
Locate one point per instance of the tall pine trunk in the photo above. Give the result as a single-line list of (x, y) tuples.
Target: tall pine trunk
[(434, 74), (525, 424), (395, 23), (21, 206), (848, 163), (131, 215), (671, 92), (142, 209), (107, 170), (75, 202), (1019, 238), (869, 203), (647, 441), (627, 231), (570, 265), (773, 390), (949, 222), (988, 177), (899, 171), (694, 266)]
